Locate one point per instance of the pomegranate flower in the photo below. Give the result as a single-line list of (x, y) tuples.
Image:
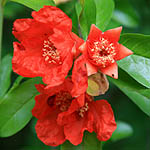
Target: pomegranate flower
[(102, 50), (62, 117), (47, 45)]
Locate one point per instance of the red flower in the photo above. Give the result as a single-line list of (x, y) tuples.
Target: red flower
[(102, 50), (46, 47), (62, 117)]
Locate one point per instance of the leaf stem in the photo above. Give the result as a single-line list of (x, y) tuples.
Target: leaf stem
[(1, 26)]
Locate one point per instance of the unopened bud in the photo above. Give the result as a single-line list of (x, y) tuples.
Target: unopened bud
[(97, 84)]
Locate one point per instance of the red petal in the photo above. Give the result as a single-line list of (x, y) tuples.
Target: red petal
[(49, 132), (42, 109), (54, 17), (74, 130), (63, 42), (95, 33), (67, 86), (68, 116), (113, 34), (123, 52), (22, 24), (26, 63), (91, 69), (104, 121), (40, 87), (83, 47), (79, 77), (78, 43), (30, 30), (56, 75), (111, 70)]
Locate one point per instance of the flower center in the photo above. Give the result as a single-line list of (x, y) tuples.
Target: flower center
[(85, 108), (102, 52), (50, 53), (63, 100)]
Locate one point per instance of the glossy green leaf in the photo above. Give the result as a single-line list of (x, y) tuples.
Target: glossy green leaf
[(35, 4), (138, 67), (104, 11), (123, 130), (89, 141), (87, 16), (138, 43), (139, 94), (15, 107), (5, 73)]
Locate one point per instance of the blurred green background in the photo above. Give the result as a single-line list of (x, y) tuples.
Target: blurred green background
[(134, 16)]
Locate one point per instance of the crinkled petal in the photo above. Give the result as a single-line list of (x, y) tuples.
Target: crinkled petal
[(79, 77), (68, 116), (104, 122), (40, 106), (78, 43), (66, 85), (63, 42), (54, 17), (74, 130), (111, 70), (26, 63), (29, 29), (123, 52), (113, 34), (95, 33), (49, 132), (43, 109), (56, 75)]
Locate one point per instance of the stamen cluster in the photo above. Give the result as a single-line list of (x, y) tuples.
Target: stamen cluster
[(50, 53), (102, 52)]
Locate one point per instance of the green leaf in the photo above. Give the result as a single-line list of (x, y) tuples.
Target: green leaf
[(138, 43), (15, 108), (104, 10), (124, 19), (125, 14), (35, 4), (94, 12), (5, 73), (87, 16), (135, 91), (123, 130), (89, 140), (138, 67)]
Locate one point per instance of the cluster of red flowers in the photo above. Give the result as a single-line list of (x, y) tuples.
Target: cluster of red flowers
[(49, 49)]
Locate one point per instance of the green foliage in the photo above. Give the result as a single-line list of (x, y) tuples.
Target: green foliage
[(138, 43), (104, 11), (15, 107), (87, 16), (35, 4), (5, 73), (138, 68), (90, 142), (138, 93), (94, 12), (125, 14), (123, 130)]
